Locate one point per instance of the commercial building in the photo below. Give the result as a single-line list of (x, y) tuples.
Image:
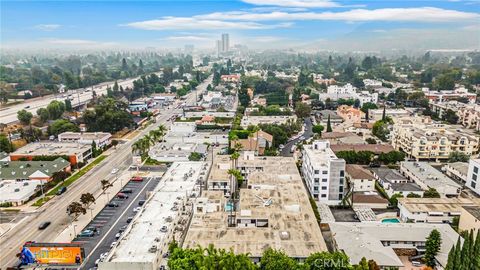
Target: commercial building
[(32, 170), (385, 242), (165, 214), (394, 183), (441, 107), (446, 95), (225, 43), (431, 210), (470, 219), (273, 211), (18, 192), (428, 177), (75, 152), (101, 139), (473, 176), (360, 178), (430, 141), (457, 171), (257, 120), (324, 173)]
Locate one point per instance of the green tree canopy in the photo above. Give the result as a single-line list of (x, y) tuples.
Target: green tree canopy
[(24, 117)]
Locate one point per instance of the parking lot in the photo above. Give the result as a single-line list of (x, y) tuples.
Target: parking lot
[(110, 222)]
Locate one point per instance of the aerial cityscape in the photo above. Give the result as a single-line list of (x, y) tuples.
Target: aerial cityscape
[(241, 134)]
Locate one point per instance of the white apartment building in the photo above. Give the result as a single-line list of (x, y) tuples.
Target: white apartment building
[(360, 178), (377, 114), (324, 173), (469, 117), (348, 91), (445, 95), (428, 177), (431, 210), (432, 141), (372, 83), (473, 176)]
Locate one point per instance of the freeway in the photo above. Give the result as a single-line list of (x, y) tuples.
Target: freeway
[(9, 114), (55, 210)]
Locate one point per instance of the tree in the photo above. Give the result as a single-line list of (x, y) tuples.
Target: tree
[(43, 114), (75, 209), (317, 129), (302, 110), (87, 198), (24, 117), (432, 247), (55, 109), (431, 193), (394, 199), (362, 265), (5, 145), (60, 126), (384, 114), (114, 143), (329, 124), (195, 156), (109, 115), (380, 130), (274, 260), (68, 105), (413, 195), (60, 176), (105, 184), (368, 106), (371, 141), (450, 116), (457, 156)]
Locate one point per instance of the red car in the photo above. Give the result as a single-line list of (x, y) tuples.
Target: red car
[(136, 179), (122, 196)]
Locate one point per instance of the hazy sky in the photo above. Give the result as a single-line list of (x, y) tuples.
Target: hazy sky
[(320, 24)]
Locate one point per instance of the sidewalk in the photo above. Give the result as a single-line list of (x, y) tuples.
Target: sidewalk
[(101, 199)]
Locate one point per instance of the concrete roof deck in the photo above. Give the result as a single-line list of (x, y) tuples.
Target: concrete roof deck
[(221, 165), (288, 214), (52, 148), (144, 230), (428, 174), (435, 204)]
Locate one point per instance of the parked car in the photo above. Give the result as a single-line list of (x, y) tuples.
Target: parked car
[(92, 228), (44, 225), (112, 204), (136, 209), (163, 229), (129, 219), (113, 244), (61, 190), (126, 190), (118, 235), (122, 196), (137, 179), (86, 233), (141, 202)]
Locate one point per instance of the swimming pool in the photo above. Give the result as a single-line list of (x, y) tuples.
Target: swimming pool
[(390, 220), (228, 207)]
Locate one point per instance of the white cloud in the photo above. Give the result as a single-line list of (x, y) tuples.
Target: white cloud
[(294, 3), (47, 27), (421, 14), (177, 23)]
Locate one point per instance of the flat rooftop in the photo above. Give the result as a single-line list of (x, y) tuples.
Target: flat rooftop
[(176, 185), (52, 149), (364, 239), (84, 135), (435, 204), (13, 191), (275, 194), (220, 167), (428, 174)]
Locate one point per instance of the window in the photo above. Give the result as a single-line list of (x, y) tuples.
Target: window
[(316, 180), (473, 185), (474, 177), (324, 188), (340, 189), (340, 196), (324, 195), (324, 172), (316, 172), (475, 169), (342, 173), (341, 181), (324, 180)]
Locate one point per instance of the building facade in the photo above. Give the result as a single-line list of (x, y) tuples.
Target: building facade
[(324, 173), (473, 176)]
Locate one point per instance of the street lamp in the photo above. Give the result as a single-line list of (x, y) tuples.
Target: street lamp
[(74, 231)]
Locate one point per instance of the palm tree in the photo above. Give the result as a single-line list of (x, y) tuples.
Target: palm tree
[(137, 146)]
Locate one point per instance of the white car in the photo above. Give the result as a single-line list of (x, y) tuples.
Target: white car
[(137, 209), (114, 171), (103, 255), (113, 244), (116, 237), (281, 146)]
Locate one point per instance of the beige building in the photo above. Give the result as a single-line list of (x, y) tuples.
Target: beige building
[(360, 178), (470, 219), (432, 141), (349, 114), (273, 211), (469, 117)]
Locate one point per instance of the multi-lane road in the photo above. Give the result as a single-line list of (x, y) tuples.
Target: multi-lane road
[(9, 114), (55, 210)]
